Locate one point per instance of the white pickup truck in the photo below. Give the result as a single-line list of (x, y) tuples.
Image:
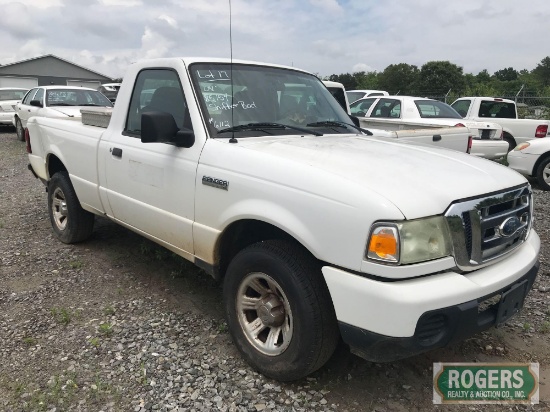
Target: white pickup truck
[(503, 112), (318, 231), (407, 112)]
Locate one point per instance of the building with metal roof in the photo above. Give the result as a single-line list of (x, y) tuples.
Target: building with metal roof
[(47, 70)]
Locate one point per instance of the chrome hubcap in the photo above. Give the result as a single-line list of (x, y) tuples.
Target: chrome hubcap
[(264, 314), (59, 209), (546, 174)]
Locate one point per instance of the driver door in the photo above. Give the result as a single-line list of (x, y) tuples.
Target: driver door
[(150, 186)]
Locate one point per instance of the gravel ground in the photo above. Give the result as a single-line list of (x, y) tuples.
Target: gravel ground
[(120, 324)]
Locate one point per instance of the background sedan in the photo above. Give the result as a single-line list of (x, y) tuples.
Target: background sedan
[(55, 101)]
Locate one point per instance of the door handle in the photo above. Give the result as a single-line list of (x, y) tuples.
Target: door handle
[(436, 137), (116, 152)]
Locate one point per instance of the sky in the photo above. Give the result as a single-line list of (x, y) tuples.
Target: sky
[(322, 36)]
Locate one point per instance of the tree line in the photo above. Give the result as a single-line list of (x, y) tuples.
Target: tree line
[(437, 78)]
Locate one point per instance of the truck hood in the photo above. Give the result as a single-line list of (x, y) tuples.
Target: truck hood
[(419, 180)]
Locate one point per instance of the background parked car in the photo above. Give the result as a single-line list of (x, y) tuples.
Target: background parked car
[(354, 95), (532, 158), (504, 112), (55, 101), (109, 90), (339, 93), (407, 112), (9, 96)]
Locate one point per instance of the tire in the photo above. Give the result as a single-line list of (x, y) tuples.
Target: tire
[(511, 142), (543, 174), (19, 130), (279, 310), (70, 222)]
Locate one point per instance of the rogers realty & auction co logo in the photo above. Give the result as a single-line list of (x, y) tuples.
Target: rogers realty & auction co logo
[(486, 383)]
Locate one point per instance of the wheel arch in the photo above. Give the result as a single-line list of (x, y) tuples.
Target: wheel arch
[(507, 133), (245, 232), (54, 165), (541, 158)]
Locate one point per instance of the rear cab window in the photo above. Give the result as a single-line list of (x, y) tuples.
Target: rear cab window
[(433, 109), (497, 109)]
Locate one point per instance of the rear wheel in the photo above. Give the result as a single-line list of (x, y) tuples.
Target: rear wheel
[(69, 221), (279, 310), (19, 130), (543, 174)]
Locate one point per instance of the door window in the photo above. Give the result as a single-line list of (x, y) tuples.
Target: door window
[(157, 90), (361, 107), (39, 96), (387, 108), (29, 96), (462, 107)]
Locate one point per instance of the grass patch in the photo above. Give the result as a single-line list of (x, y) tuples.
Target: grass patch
[(76, 264), (103, 391), (105, 329), (545, 327), (222, 327), (143, 377), (29, 341), (109, 310), (59, 391), (94, 341), (154, 251), (62, 315)]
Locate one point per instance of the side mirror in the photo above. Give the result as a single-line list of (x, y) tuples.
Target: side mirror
[(161, 127), (355, 120), (36, 103)]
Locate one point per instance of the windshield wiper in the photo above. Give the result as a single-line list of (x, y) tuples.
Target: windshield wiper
[(263, 126), (60, 104), (337, 123)]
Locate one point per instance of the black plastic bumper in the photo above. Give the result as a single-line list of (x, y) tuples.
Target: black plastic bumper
[(441, 327)]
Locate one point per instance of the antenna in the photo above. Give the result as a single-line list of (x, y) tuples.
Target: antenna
[(232, 140)]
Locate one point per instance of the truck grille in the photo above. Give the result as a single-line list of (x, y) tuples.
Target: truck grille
[(486, 228)]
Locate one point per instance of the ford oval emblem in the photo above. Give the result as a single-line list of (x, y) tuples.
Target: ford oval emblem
[(509, 226)]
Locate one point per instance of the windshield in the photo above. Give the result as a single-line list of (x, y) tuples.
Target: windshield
[(434, 109), (12, 94), (250, 100), (76, 97), (354, 96)]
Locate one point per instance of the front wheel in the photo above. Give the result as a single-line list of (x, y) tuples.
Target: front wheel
[(19, 130), (279, 310), (70, 222), (543, 174)]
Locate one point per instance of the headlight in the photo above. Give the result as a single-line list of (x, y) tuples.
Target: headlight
[(410, 241), (522, 146)]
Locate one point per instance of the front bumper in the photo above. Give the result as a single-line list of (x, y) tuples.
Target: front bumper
[(523, 163), (6, 118), (385, 321)]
